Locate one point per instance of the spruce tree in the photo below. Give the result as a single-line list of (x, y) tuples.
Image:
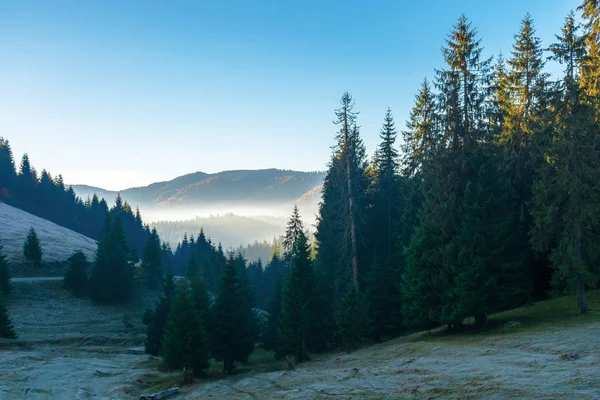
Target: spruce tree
[(152, 261), (158, 318), (270, 336), (5, 285), (590, 69), (233, 319), (566, 195), (353, 321), (7, 330), (112, 275), (299, 311), (202, 304), (32, 249), (8, 175), (184, 343), (76, 276)]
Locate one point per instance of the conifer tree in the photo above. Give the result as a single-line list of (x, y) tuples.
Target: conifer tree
[(590, 70), (5, 285), (202, 304), (233, 319), (566, 195), (192, 268), (353, 320), (8, 175), (151, 261), (299, 313), (270, 337), (158, 320), (112, 275), (32, 249), (184, 343), (293, 231), (7, 330), (76, 276)]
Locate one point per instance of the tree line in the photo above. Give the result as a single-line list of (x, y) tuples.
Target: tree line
[(50, 198)]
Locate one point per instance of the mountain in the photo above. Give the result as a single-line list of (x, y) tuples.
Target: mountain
[(58, 243), (270, 192)]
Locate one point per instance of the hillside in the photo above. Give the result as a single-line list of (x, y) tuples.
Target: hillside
[(72, 348), (200, 193), (58, 243)]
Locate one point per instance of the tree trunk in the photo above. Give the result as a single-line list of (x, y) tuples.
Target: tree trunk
[(351, 205), (228, 366), (582, 307)]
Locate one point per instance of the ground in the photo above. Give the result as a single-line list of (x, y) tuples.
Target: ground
[(70, 348)]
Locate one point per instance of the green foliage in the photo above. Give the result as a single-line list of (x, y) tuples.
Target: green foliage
[(384, 298), (192, 269), (112, 275), (76, 276), (202, 304), (274, 321), (353, 320), (5, 285), (156, 320), (32, 250), (299, 312), (7, 330), (185, 343), (152, 260), (233, 318)]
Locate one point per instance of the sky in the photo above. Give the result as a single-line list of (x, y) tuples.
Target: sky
[(123, 93)]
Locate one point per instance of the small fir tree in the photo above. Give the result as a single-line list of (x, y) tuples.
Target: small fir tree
[(32, 250)]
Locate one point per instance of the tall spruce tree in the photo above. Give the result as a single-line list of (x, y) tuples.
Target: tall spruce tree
[(233, 319), (383, 285), (523, 100), (185, 344), (566, 195), (32, 249), (7, 329), (8, 174), (299, 313), (434, 287), (152, 260)]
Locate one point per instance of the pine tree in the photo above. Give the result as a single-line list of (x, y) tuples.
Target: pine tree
[(353, 320), (293, 231), (299, 311), (76, 277), (158, 319), (566, 196), (112, 274), (7, 330), (233, 319), (185, 344), (32, 250), (5, 285), (151, 261)]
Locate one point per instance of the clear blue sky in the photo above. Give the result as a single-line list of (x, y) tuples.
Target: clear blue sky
[(125, 93)]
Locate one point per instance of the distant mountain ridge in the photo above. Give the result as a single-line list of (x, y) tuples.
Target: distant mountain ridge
[(265, 188)]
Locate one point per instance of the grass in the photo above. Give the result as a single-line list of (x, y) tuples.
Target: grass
[(560, 312)]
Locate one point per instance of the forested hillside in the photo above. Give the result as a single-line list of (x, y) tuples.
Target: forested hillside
[(49, 198)]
